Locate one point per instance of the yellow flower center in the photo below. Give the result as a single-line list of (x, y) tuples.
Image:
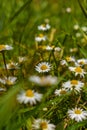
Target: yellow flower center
[(2, 47), (68, 58), (43, 125), (74, 82), (62, 92), (44, 25), (81, 62), (12, 65), (29, 93), (78, 111), (8, 82), (41, 35), (44, 67), (78, 69)]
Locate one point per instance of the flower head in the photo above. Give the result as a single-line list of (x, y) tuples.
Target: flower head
[(76, 27), (68, 10), (42, 124), (8, 80), (77, 114), (43, 67), (73, 85), (29, 96), (44, 27), (5, 47), (22, 59), (40, 38), (44, 80), (59, 92), (70, 59), (78, 71), (12, 65), (81, 62)]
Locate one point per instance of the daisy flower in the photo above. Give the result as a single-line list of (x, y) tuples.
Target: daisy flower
[(48, 48), (81, 62), (59, 92), (42, 124), (57, 49), (77, 114), (84, 28), (78, 71), (40, 38), (29, 96), (21, 59), (5, 47), (76, 27), (43, 67), (70, 59), (44, 27), (68, 10), (73, 85), (12, 65), (8, 80), (78, 34), (45, 80)]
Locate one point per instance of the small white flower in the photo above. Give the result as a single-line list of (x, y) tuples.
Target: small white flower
[(73, 85), (40, 38), (42, 124), (12, 65), (84, 28), (22, 59), (43, 67), (44, 27), (8, 80), (45, 80), (5, 47), (76, 27), (49, 48), (29, 96), (81, 62), (57, 49), (77, 114), (68, 10), (70, 59), (78, 71), (59, 92), (78, 34)]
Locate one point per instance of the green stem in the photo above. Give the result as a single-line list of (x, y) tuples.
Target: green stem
[(83, 10)]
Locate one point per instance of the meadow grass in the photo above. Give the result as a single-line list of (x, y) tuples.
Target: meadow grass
[(43, 72)]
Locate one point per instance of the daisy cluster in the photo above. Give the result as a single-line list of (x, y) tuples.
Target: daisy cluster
[(57, 77), (46, 77), (8, 80), (76, 68)]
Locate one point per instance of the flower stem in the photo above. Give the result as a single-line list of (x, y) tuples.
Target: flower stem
[(82, 8)]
